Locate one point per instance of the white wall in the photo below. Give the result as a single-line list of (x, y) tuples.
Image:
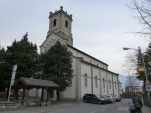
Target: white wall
[(70, 92), (96, 90), (88, 58), (103, 84), (85, 69)]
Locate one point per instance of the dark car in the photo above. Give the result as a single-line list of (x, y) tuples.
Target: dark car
[(118, 99), (91, 98), (105, 100), (108, 99)]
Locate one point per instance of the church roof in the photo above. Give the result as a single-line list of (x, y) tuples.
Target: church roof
[(88, 55), (48, 34), (94, 59), (31, 82), (100, 68)]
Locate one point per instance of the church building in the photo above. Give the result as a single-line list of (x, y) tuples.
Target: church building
[(90, 75)]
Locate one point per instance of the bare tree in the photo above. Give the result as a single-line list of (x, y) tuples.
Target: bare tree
[(143, 9)]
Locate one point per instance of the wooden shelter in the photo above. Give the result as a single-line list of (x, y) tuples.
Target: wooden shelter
[(29, 83)]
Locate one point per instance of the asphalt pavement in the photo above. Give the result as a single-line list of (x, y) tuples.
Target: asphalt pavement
[(73, 107)]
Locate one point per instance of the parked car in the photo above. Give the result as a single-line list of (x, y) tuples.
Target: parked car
[(118, 99), (114, 99), (105, 99), (109, 99), (102, 98), (91, 98)]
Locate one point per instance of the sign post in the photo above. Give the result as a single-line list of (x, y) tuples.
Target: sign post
[(12, 80), (148, 87)]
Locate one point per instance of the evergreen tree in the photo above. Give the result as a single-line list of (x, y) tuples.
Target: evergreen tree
[(5, 70), (24, 54), (57, 66)]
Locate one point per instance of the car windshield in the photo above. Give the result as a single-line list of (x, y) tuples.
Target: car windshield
[(102, 97)]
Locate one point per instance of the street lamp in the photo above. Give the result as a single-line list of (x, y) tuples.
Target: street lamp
[(126, 48)]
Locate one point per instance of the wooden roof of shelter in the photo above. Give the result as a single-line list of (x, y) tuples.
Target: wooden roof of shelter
[(35, 83)]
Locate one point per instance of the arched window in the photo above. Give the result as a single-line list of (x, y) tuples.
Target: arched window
[(66, 24), (54, 22), (85, 80), (110, 84), (104, 84), (96, 81), (115, 85)]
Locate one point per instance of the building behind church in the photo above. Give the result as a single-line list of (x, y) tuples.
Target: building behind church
[(90, 75)]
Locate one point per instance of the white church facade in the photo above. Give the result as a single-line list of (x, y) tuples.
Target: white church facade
[(90, 75)]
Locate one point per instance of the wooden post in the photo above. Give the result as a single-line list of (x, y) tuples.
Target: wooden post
[(58, 95), (42, 93), (23, 97), (47, 96), (16, 93)]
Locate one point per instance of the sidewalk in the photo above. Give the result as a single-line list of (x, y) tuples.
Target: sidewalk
[(146, 109), (43, 109)]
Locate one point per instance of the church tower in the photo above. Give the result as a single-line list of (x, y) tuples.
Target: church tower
[(59, 30), (60, 24)]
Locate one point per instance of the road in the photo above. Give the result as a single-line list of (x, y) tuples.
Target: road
[(119, 107)]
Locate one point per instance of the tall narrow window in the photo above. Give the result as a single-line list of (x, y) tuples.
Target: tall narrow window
[(110, 84), (103, 83), (54, 22), (66, 24), (96, 81), (115, 85), (85, 80)]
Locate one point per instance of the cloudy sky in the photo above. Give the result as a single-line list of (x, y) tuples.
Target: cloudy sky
[(100, 27)]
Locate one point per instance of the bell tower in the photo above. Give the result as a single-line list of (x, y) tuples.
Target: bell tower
[(60, 23)]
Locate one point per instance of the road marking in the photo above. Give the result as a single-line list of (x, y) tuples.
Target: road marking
[(123, 109), (93, 112)]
